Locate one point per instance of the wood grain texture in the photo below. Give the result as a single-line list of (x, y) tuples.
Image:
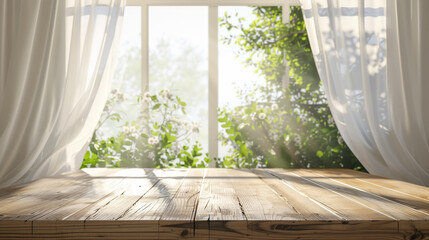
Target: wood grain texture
[(215, 204)]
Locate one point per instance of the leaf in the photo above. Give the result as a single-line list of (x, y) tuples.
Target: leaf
[(244, 150), (171, 138), (156, 106), (319, 154), (226, 124), (87, 155), (115, 117), (230, 131), (183, 104), (145, 135), (224, 119)]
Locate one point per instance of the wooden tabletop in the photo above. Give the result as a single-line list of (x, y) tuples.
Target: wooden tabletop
[(215, 204)]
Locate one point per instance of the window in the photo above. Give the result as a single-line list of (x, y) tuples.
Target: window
[(178, 60), (235, 78), (180, 48), (228, 61)]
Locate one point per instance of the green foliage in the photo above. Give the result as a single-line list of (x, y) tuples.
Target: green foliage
[(160, 138), (284, 123), (287, 122)]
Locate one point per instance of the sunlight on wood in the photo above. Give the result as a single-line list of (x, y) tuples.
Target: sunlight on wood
[(215, 203)]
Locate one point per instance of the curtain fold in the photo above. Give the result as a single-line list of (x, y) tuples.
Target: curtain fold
[(372, 59), (56, 59)]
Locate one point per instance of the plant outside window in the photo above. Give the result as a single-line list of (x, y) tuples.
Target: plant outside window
[(284, 122)]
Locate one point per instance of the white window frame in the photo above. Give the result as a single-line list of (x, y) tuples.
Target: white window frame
[(213, 70)]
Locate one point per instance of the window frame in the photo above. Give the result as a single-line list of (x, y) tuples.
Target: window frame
[(213, 68)]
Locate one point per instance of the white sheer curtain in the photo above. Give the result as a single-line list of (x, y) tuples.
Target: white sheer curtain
[(56, 59), (372, 57)]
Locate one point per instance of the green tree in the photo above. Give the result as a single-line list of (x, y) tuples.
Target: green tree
[(287, 122)]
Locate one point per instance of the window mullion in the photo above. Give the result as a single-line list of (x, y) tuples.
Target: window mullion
[(213, 82), (145, 47)]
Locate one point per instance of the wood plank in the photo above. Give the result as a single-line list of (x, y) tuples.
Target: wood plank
[(11, 228), (215, 204), (177, 219), (344, 207), (320, 218), (157, 200), (140, 219), (123, 229), (99, 188), (24, 200), (219, 212), (134, 187), (29, 200), (388, 184), (303, 204), (25, 206), (410, 195), (414, 229), (259, 202), (374, 201), (47, 183), (356, 230), (106, 215), (261, 205), (85, 203)]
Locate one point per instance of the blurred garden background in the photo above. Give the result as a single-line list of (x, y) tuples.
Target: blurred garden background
[(272, 108)]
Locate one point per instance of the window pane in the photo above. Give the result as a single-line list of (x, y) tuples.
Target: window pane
[(178, 49), (126, 81), (236, 79)]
